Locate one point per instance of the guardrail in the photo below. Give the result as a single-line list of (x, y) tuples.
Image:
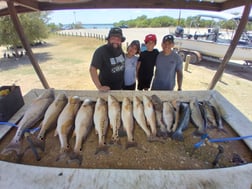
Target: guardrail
[(82, 34)]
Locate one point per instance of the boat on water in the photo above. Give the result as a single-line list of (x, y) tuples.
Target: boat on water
[(213, 42)]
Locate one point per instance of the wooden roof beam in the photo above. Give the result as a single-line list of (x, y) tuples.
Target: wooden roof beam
[(233, 44), (28, 4), (26, 45), (235, 3), (21, 6), (97, 4)]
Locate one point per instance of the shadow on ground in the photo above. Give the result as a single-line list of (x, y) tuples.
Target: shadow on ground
[(236, 69), (12, 63)]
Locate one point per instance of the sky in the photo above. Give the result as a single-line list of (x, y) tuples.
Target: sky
[(110, 16)]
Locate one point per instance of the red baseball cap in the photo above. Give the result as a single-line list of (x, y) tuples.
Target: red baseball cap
[(150, 37)]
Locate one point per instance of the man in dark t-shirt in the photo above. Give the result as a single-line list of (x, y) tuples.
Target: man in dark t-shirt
[(147, 61), (109, 59)]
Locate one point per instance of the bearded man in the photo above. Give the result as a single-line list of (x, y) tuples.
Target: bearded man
[(109, 59)]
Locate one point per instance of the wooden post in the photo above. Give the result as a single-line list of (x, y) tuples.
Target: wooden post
[(188, 58), (25, 43), (232, 46)]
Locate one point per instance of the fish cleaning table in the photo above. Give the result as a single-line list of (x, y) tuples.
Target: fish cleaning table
[(28, 176)]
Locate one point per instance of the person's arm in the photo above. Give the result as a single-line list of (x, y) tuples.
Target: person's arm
[(137, 68), (179, 79), (95, 79)]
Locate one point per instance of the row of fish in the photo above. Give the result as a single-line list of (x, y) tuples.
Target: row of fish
[(156, 118)]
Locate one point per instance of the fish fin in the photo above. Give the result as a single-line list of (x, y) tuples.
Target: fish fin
[(130, 145), (101, 149), (75, 158), (55, 133), (74, 134)]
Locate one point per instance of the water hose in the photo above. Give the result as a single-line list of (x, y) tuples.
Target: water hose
[(14, 125), (203, 137), (26, 133)]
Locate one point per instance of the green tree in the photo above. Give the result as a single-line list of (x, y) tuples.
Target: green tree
[(34, 25)]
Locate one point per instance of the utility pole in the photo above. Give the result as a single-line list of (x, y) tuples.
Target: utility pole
[(74, 13)]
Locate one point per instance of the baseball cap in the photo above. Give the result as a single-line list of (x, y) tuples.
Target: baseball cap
[(150, 37), (116, 32), (137, 44), (168, 38)]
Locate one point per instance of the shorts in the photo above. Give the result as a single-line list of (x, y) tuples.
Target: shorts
[(144, 84), (129, 87)]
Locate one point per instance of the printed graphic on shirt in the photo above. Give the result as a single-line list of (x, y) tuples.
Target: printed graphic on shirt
[(117, 64)]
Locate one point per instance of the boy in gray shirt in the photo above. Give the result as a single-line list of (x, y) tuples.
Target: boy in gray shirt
[(168, 65)]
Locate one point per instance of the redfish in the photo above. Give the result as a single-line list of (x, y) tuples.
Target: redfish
[(168, 115), (65, 122), (51, 116), (128, 121), (32, 115), (83, 125), (158, 107), (101, 124), (138, 113), (114, 114), (150, 115)]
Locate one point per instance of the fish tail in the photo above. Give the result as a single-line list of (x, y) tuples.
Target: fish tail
[(13, 146), (178, 136), (101, 149), (130, 145), (75, 158), (115, 141), (64, 153), (32, 147), (39, 143), (155, 139), (222, 130), (199, 132), (121, 132), (161, 133)]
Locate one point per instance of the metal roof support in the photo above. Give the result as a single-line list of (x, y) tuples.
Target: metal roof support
[(27, 47), (233, 44)]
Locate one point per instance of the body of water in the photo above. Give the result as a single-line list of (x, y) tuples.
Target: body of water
[(89, 26), (98, 26)]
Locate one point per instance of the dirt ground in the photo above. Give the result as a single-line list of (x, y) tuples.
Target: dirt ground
[(65, 62), (165, 155)]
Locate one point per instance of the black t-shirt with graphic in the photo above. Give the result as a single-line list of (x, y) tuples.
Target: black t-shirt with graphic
[(111, 65)]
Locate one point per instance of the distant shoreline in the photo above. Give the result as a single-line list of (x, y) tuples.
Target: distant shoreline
[(91, 26)]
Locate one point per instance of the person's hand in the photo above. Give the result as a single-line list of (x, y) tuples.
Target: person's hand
[(104, 88)]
